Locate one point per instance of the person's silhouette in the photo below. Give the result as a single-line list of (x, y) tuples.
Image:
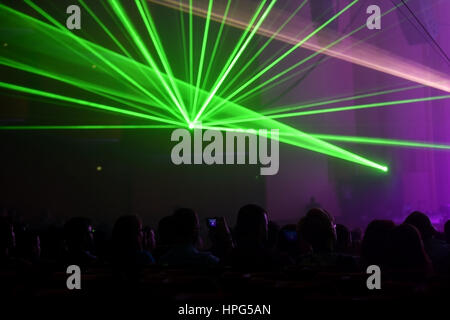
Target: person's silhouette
[(183, 252)]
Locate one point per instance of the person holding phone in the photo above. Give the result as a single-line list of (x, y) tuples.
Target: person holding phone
[(220, 236), (251, 252), (184, 252)]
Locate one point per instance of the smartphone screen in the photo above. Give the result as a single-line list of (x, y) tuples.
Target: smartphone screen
[(290, 235), (212, 222)]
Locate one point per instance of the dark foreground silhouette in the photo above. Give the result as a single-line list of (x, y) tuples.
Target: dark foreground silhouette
[(316, 259)]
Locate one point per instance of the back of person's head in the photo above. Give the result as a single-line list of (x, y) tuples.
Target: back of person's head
[(251, 226), (127, 235), (447, 231), (165, 233), (78, 233), (272, 234), (317, 229), (186, 226), (406, 250), (343, 238), (7, 236), (375, 242), (422, 223)]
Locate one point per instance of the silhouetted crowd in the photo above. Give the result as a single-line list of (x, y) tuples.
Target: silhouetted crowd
[(314, 259)]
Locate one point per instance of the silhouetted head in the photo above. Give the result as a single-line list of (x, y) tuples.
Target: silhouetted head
[(343, 238), (375, 243), (7, 236), (447, 231), (422, 223), (406, 251), (318, 230), (78, 234), (186, 226), (127, 235), (166, 231), (251, 226), (272, 234)]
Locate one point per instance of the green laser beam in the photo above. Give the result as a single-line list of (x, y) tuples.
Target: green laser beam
[(94, 105), (300, 139), (264, 46), (276, 54), (297, 138), (152, 30), (282, 138), (381, 141), (287, 53), (256, 90), (122, 15), (263, 65), (317, 104), (84, 127), (84, 43), (9, 15), (202, 54), (106, 30), (299, 34), (340, 109), (118, 24), (83, 85), (280, 110), (56, 23), (80, 84), (183, 42), (191, 50), (233, 54), (216, 45), (236, 57), (145, 15), (357, 107)]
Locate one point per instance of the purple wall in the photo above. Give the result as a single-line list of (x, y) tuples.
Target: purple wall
[(419, 178)]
